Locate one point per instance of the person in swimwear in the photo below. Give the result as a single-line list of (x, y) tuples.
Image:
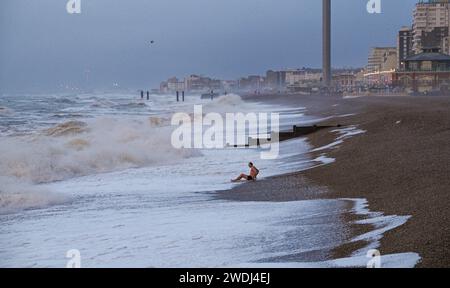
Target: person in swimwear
[(253, 174)]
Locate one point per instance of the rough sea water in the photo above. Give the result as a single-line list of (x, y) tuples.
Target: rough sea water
[(98, 173)]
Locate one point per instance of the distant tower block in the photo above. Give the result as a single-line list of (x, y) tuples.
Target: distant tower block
[(326, 42)]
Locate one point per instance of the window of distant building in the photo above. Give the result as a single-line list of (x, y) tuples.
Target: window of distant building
[(413, 66), (442, 67), (427, 65)]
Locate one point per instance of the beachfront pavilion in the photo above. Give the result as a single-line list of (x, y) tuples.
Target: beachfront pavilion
[(425, 72)]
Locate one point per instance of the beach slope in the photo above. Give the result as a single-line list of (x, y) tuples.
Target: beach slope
[(401, 165)]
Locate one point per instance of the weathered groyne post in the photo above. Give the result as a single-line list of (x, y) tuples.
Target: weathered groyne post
[(142, 94), (148, 95), (182, 95)]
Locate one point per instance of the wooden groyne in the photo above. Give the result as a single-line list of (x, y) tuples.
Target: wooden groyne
[(297, 131)]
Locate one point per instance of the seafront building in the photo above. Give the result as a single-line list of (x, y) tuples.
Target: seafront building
[(172, 85), (382, 59), (423, 62), (192, 83), (404, 44), (196, 83), (302, 80), (424, 72), (431, 25), (426, 43), (382, 62), (346, 82), (420, 55), (252, 83), (275, 80)]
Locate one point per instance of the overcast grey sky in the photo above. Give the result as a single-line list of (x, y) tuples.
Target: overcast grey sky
[(43, 46)]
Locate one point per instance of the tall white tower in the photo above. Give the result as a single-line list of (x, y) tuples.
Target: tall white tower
[(326, 59)]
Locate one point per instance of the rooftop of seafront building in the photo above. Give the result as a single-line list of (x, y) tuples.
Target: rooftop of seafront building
[(429, 56), (433, 1)]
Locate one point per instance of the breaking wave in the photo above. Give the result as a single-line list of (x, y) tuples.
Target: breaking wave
[(131, 105), (67, 128), (229, 100), (102, 103), (226, 103), (62, 100), (76, 148), (19, 195), (5, 111)]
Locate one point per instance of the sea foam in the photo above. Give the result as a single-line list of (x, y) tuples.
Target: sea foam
[(17, 195), (97, 144), (79, 148), (74, 149), (5, 111)]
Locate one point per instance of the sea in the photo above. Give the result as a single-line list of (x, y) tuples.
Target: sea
[(96, 173)]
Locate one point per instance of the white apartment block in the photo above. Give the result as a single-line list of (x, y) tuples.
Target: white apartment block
[(427, 16), (299, 76), (382, 59)]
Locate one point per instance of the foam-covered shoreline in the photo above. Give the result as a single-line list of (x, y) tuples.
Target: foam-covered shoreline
[(400, 165), (74, 149), (366, 228), (377, 223), (157, 210), (93, 143)]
